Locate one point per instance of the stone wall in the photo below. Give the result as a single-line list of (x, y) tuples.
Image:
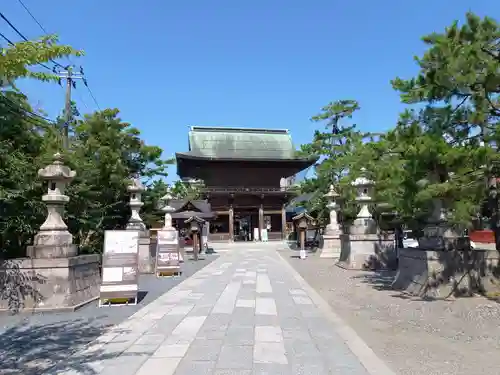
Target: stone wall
[(49, 284), (441, 274), (367, 251)]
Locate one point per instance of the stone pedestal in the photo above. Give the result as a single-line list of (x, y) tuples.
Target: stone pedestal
[(52, 244), (49, 284), (367, 251), (146, 255), (442, 274), (331, 246)]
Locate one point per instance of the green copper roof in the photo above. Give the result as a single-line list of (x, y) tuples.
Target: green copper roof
[(240, 143)]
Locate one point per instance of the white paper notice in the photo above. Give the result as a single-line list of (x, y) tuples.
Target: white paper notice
[(121, 241), (112, 274)]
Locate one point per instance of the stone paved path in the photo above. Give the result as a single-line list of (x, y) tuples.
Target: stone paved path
[(246, 313)]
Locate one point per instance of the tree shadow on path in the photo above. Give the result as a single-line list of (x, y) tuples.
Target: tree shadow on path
[(378, 280), (18, 286), (51, 348)]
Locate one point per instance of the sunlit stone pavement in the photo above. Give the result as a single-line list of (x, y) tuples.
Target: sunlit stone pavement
[(246, 313)]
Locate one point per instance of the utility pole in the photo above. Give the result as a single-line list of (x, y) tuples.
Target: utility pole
[(70, 78)]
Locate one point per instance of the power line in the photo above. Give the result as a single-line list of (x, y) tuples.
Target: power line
[(33, 17), (66, 68), (91, 93), (12, 44), (30, 114), (24, 38), (7, 39)]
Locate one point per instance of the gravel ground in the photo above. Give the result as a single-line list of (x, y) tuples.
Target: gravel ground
[(26, 339), (459, 337)]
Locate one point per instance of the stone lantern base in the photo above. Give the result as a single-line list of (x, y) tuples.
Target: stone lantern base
[(147, 253), (44, 284), (367, 251), (331, 245), (52, 244)]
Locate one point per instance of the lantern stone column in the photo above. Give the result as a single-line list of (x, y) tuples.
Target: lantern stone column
[(135, 223), (54, 240), (365, 247), (167, 225), (136, 188), (331, 237), (437, 233), (54, 276)]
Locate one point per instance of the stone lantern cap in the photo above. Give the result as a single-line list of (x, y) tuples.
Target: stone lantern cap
[(167, 197), (167, 208), (135, 186), (332, 193), (57, 171), (362, 180)]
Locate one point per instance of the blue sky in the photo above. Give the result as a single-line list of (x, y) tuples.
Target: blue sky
[(171, 64)]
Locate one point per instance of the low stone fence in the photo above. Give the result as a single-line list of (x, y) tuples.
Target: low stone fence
[(49, 284), (442, 274)]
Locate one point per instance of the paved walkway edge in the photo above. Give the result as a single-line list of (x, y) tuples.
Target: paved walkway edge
[(110, 332), (373, 364)]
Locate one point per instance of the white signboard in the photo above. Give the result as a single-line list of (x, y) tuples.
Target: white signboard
[(120, 265), (168, 255)]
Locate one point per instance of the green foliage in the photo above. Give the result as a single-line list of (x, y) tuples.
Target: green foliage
[(104, 151), (151, 213), (21, 209), (182, 190), (17, 61), (459, 81), (335, 146), (443, 151)]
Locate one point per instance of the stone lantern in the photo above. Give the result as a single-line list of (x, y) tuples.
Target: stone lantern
[(331, 237), (364, 222), (146, 261), (54, 240), (333, 226), (136, 188), (437, 234), (168, 211), (365, 247), (54, 276)]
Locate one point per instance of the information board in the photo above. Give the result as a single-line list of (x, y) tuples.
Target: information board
[(120, 266), (168, 256)]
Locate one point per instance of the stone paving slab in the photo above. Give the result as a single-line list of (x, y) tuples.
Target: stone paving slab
[(248, 312)]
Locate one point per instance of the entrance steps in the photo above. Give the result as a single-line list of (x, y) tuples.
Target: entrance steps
[(221, 247)]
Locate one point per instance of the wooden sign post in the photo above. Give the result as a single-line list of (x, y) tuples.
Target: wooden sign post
[(302, 222), (195, 225), (120, 268), (168, 256)]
